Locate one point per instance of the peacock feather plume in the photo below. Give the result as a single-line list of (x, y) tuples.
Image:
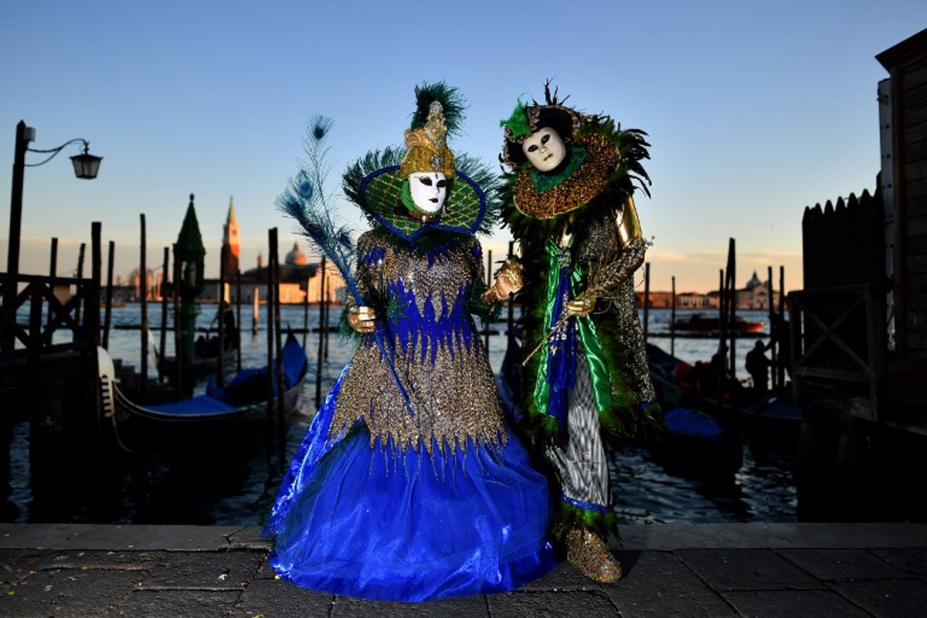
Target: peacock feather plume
[(306, 201)]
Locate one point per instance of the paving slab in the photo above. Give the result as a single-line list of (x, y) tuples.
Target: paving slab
[(793, 603), (832, 564), (526, 604), (911, 560), (275, 598), (677, 570), (659, 584), (746, 569), (475, 606), (66, 592), (901, 598), (205, 570), (175, 603)]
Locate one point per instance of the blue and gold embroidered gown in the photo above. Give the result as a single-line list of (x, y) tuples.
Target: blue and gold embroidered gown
[(386, 503)]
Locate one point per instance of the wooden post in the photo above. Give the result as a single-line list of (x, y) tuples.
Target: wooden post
[(780, 370), (110, 265), (673, 320), (732, 324), (328, 308), (487, 325), (306, 312), (773, 342), (646, 300), (238, 316), (178, 344), (92, 317), (278, 344), (269, 304), (162, 343), (510, 321), (220, 361), (143, 289), (255, 313), (318, 373), (720, 356), (52, 274), (80, 275)]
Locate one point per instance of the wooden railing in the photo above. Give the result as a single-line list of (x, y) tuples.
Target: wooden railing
[(839, 346), (47, 315)]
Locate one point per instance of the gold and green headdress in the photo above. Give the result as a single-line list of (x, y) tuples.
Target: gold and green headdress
[(383, 194)]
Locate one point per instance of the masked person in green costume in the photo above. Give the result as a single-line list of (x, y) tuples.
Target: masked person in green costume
[(569, 203)]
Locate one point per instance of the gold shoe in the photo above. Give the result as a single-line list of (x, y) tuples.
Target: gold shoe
[(590, 554)]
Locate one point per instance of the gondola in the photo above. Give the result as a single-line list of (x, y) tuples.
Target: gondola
[(245, 397), (771, 419)]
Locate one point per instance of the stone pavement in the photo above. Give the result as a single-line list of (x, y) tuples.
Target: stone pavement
[(685, 570)]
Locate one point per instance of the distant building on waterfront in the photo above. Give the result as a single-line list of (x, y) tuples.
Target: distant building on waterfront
[(299, 279), (754, 296)]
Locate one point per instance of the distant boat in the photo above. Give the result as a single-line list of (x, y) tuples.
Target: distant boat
[(705, 324)]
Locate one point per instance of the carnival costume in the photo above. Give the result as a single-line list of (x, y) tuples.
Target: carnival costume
[(584, 369), (409, 486)]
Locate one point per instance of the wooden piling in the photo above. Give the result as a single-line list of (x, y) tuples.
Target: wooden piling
[(52, 274), (178, 353), (143, 293), (732, 282), (673, 319), (220, 360), (108, 317), (92, 317), (318, 372), (80, 275), (278, 344), (487, 325), (510, 320), (162, 342), (646, 300), (238, 316), (269, 304)]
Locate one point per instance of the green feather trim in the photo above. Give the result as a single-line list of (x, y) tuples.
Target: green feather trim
[(453, 102), (568, 516), (517, 123)]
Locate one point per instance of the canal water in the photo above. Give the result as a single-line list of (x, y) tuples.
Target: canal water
[(235, 481)]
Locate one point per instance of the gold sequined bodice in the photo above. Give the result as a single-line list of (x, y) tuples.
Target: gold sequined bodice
[(435, 350)]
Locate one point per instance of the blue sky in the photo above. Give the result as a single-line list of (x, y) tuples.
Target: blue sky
[(754, 110)]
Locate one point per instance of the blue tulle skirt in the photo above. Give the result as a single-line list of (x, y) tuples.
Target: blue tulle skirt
[(381, 523)]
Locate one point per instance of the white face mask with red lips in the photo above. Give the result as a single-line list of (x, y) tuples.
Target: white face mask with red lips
[(428, 191)]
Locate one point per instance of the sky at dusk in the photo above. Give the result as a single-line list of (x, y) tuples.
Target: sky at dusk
[(754, 111)]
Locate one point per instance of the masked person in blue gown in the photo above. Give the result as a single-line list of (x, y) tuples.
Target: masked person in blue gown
[(409, 485)]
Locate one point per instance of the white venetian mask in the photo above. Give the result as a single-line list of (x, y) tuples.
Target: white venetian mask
[(428, 190), (544, 149)]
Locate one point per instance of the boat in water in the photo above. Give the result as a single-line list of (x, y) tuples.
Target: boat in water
[(244, 398), (701, 323)]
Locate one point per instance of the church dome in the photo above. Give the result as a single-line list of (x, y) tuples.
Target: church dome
[(296, 257), (754, 281)]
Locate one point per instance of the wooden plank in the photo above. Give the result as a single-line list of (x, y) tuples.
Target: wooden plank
[(916, 132), (916, 245), (914, 189), (915, 153), (916, 169), (915, 208), (906, 381)]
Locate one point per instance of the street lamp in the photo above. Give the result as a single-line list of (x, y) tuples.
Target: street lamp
[(86, 166)]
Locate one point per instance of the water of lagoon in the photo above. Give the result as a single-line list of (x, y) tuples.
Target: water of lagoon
[(237, 486)]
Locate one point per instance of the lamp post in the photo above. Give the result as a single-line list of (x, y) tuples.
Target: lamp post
[(86, 166)]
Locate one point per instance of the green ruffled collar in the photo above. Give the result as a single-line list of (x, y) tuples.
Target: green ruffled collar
[(544, 181)]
